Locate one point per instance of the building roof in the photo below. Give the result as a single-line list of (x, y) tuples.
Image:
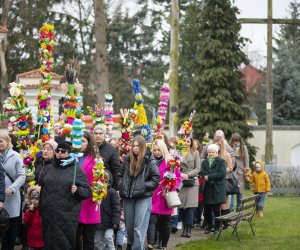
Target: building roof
[(37, 74), (252, 76), (3, 29)]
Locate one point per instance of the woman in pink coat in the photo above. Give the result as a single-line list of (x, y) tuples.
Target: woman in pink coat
[(89, 215), (160, 213)]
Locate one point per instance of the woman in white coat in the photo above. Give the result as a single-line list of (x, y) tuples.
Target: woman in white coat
[(14, 179)]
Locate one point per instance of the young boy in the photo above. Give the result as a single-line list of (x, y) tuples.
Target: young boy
[(261, 185), (110, 218)]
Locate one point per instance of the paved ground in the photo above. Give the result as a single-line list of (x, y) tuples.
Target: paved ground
[(197, 234), (175, 239)]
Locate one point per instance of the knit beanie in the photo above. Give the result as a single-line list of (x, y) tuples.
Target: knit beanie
[(213, 147), (65, 145), (102, 127), (52, 143)]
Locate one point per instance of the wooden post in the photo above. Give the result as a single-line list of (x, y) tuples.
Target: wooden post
[(269, 93), (173, 68)]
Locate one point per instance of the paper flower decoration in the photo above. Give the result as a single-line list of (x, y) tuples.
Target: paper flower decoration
[(99, 185), (142, 117), (108, 112)]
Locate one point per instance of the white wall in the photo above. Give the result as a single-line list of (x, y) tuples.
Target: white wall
[(286, 144)]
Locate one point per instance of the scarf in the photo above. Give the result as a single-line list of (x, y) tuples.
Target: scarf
[(210, 161)]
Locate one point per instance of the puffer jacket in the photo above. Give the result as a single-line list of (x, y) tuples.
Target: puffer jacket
[(59, 208), (41, 168), (260, 181), (142, 185)]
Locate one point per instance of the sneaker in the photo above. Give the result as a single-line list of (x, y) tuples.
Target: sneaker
[(216, 231), (260, 214), (150, 247), (179, 225)]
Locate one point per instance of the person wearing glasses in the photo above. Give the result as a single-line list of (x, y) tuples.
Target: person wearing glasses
[(64, 187), (109, 154)]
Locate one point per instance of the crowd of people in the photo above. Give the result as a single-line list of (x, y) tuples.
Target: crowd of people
[(59, 212)]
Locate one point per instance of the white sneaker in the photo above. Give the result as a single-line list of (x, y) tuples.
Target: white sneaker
[(179, 225)]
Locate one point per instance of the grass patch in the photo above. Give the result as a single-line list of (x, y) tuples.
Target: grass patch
[(278, 229)]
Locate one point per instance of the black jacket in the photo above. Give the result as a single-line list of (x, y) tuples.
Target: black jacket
[(110, 210), (142, 185), (111, 159), (41, 168), (59, 208)]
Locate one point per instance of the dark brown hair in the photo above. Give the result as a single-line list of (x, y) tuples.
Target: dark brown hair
[(237, 137), (91, 143), (136, 161)]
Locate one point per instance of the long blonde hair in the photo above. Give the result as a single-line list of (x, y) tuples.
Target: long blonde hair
[(136, 161), (163, 147), (222, 150)]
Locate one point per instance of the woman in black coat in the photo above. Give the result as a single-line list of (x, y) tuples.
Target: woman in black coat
[(61, 200), (140, 178)]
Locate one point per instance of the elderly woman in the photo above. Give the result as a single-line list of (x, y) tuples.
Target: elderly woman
[(44, 162), (64, 187), (14, 179)]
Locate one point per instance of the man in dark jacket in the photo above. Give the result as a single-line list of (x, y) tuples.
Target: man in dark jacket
[(109, 154)]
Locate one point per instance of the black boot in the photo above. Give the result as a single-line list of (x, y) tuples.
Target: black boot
[(225, 223), (184, 232), (188, 232)]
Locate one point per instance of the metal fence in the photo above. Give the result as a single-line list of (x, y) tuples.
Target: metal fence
[(285, 180)]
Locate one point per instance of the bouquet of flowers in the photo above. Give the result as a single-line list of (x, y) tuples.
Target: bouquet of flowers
[(169, 177)]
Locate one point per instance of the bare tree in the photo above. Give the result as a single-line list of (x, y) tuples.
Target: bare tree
[(3, 48), (101, 83)]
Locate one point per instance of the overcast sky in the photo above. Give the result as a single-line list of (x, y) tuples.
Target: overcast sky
[(257, 33)]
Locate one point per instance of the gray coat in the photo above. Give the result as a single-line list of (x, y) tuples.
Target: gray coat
[(241, 164), (189, 195), (13, 165)]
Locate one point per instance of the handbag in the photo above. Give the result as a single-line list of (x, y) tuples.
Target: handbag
[(189, 182), (172, 199), (4, 221), (232, 185)]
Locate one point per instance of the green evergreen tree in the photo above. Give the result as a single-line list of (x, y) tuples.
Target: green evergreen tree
[(218, 93), (286, 73)]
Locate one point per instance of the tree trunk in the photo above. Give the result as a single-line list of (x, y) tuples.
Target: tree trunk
[(3, 48), (101, 83), (173, 68)]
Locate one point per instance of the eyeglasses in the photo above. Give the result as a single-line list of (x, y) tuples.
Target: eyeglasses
[(60, 150)]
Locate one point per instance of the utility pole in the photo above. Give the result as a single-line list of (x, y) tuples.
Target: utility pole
[(269, 94)]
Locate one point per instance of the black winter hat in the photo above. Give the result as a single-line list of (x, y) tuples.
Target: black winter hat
[(64, 145)]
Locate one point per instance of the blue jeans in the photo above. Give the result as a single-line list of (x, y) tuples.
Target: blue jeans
[(261, 201), (137, 214), (238, 201), (104, 239)]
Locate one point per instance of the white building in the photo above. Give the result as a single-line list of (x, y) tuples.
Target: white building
[(31, 80)]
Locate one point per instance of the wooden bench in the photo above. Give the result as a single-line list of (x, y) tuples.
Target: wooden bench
[(244, 213)]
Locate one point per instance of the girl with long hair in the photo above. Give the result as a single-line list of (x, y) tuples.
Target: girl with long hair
[(140, 178)]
